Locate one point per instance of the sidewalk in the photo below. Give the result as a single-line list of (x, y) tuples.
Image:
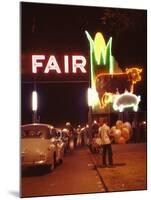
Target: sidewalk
[(130, 168)]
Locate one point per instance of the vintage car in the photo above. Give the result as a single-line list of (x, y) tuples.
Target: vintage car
[(39, 146)]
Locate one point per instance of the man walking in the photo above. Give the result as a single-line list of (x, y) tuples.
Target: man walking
[(104, 132)]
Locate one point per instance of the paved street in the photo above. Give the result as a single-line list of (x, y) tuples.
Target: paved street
[(81, 173), (75, 175)]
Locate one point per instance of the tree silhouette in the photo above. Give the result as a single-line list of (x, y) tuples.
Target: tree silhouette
[(117, 21)]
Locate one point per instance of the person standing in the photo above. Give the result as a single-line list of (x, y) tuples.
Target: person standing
[(79, 136), (104, 133)]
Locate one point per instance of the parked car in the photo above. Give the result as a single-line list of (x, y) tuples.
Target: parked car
[(68, 140), (61, 135), (39, 146)]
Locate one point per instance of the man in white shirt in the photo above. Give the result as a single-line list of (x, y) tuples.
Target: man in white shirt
[(104, 132)]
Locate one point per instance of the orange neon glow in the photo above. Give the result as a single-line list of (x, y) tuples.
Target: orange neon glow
[(106, 99), (106, 94), (107, 74), (134, 74)]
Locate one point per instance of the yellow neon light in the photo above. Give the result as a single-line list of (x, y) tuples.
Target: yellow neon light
[(99, 47), (106, 99)]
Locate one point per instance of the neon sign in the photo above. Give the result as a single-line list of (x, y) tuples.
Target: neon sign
[(100, 56), (106, 99), (78, 64), (107, 86), (126, 100), (108, 80), (100, 51), (134, 76)]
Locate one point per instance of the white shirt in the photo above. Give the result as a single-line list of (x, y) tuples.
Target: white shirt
[(104, 131)]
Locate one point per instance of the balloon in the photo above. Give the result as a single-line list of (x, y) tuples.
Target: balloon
[(116, 134), (128, 125), (119, 124), (113, 129), (125, 134), (121, 140)]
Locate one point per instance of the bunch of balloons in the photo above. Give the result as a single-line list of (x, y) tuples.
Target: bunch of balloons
[(121, 132)]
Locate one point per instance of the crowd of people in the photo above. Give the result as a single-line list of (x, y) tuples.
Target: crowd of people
[(81, 136), (100, 136)]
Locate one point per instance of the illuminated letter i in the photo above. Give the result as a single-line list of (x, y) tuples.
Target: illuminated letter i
[(66, 64)]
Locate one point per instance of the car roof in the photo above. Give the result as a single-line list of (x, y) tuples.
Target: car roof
[(37, 125)]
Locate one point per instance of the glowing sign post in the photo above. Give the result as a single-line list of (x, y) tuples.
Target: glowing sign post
[(106, 76), (90, 103), (34, 105), (89, 97)]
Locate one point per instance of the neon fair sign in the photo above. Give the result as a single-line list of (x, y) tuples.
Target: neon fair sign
[(78, 64), (106, 77)]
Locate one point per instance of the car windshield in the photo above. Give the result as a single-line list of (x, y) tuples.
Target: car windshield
[(34, 132)]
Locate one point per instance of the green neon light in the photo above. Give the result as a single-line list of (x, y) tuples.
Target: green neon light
[(100, 52)]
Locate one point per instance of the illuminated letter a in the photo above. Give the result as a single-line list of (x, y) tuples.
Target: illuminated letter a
[(52, 65)]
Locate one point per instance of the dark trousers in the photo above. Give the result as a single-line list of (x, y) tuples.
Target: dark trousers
[(107, 150)]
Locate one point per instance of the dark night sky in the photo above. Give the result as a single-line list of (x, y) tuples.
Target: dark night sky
[(58, 29)]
